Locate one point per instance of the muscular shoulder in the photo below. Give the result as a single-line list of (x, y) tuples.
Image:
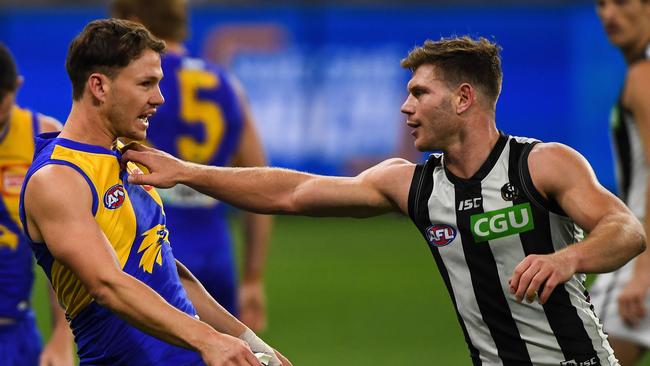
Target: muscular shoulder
[(553, 166), (392, 178), (637, 85), (53, 194), (58, 184), (48, 124), (390, 168)]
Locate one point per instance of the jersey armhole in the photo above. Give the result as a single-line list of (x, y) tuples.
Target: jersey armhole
[(23, 216), (414, 191), (529, 188), (422, 181)]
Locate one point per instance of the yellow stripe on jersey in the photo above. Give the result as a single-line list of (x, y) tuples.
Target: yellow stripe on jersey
[(16, 152), (8, 238), (119, 225)]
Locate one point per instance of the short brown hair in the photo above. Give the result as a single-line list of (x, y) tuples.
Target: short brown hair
[(462, 59), (8, 72), (166, 19), (106, 46)]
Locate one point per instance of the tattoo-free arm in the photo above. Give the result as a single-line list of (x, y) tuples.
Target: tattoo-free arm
[(615, 236), (380, 189), (256, 227), (62, 218)]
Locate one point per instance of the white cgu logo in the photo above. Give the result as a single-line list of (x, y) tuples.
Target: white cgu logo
[(504, 222), (499, 224)]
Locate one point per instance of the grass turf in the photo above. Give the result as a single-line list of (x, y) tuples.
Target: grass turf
[(350, 292)]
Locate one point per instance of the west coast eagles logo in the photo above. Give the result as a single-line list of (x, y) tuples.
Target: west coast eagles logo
[(114, 197)]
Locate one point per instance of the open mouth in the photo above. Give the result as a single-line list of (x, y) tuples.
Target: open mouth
[(144, 118)]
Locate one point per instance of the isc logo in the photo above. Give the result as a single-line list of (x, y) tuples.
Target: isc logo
[(590, 362), (440, 235), (114, 197)]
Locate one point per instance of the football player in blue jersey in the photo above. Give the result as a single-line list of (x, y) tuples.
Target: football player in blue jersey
[(103, 242), (206, 120), (20, 343)]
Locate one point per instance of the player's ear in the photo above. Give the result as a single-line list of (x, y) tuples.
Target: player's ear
[(465, 96), (19, 81), (98, 85)]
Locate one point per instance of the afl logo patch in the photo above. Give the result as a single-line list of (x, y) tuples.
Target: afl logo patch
[(440, 235), (114, 197)]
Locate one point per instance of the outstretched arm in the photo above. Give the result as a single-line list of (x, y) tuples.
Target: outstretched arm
[(69, 228), (615, 236), (256, 228), (380, 189)]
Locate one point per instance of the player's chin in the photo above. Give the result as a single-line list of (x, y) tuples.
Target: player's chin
[(139, 135)]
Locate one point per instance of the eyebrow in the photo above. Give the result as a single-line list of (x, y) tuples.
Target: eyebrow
[(416, 87)]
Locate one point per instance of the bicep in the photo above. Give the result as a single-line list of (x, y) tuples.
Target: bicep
[(637, 100), (562, 174), (63, 219), (250, 151), (380, 189)]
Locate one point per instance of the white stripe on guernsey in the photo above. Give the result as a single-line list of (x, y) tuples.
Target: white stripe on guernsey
[(459, 276), (570, 234), (508, 252), (638, 172)]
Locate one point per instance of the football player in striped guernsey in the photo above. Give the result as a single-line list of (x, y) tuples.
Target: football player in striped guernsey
[(621, 298), (502, 215)]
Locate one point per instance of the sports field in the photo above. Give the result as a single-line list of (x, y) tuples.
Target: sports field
[(354, 292)]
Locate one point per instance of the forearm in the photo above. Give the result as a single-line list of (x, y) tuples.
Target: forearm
[(209, 310), (615, 240), (642, 264), (143, 308), (61, 332), (257, 231), (260, 190)]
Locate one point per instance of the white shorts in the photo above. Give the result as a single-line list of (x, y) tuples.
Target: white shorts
[(604, 296)]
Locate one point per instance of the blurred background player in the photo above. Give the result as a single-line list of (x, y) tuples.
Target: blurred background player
[(207, 120), (621, 298), (20, 342)]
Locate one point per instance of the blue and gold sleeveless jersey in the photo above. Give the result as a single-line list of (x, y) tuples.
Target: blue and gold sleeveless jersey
[(201, 121), (16, 276), (133, 220)]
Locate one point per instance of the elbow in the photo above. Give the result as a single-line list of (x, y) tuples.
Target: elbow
[(102, 290), (642, 241), (101, 293)]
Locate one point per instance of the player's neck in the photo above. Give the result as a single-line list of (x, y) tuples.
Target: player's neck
[(631, 53), (87, 127), (473, 146)]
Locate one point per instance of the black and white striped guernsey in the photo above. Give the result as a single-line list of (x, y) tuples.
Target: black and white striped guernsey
[(478, 230), (631, 171)]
